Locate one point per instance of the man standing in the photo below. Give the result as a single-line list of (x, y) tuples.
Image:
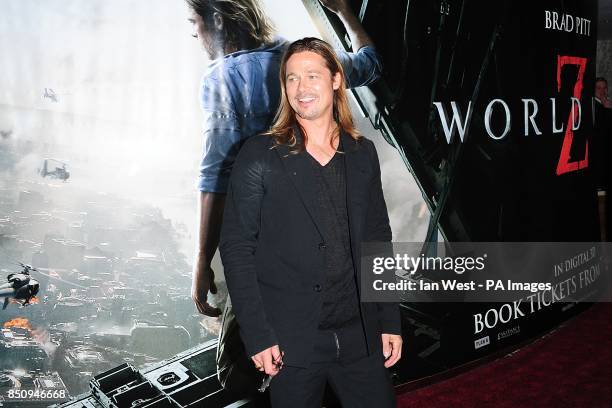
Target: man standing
[(302, 198), (239, 94), (601, 92)]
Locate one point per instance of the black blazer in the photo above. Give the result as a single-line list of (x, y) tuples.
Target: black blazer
[(272, 245)]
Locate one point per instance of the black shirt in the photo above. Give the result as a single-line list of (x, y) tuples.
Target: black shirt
[(340, 299)]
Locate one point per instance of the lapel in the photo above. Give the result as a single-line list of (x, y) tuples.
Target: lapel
[(356, 161), (301, 172)]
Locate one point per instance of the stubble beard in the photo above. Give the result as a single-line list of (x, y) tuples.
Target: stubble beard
[(307, 115), (214, 46)]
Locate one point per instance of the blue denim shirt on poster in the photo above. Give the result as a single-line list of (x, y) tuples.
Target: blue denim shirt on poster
[(240, 94)]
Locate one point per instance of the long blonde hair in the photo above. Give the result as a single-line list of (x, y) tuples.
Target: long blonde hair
[(285, 124), (245, 21)]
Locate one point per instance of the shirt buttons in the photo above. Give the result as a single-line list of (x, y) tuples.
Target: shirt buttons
[(317, 288), (322, 245)]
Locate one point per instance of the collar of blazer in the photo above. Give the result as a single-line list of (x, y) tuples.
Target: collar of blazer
[(301, 172)]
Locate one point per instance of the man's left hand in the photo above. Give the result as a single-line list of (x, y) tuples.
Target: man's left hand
[(392, 348)]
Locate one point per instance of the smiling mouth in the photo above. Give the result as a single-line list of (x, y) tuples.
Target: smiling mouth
[(305, 100)]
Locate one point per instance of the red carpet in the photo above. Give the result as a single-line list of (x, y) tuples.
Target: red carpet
[(570, 367)]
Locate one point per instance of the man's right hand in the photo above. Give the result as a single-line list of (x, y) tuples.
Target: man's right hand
[(269, 360), (203, 282)]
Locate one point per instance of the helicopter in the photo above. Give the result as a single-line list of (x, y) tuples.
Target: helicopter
[(60, 173), (50, 94), (20, 286)]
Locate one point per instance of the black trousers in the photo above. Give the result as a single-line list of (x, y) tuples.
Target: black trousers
[(340, 359)]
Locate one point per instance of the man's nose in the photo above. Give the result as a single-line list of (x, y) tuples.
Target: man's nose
[(301, 85)]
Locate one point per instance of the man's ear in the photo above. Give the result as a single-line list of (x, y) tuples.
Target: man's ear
[(336, 81), (218, 21)]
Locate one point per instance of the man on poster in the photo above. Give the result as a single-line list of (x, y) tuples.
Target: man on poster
[(301, 200), (239, 95)]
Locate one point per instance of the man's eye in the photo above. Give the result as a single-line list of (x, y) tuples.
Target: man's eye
[(312, 77)]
